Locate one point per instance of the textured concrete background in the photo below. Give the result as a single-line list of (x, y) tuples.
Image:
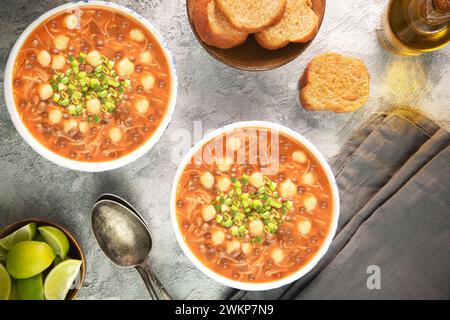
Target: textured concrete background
[(30, 186)]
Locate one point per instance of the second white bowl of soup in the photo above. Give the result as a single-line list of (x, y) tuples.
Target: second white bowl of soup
[(90, 86), (254, 205)]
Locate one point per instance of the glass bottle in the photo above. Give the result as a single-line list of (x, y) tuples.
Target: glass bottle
[(414, 27)]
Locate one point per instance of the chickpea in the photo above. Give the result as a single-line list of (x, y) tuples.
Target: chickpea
[(70, 125), (246, 248), (61, 42), (55, 116), (277, 255), (233, 143), (142, 105), (58, 62), (309, 202), (44, 58), (70, 21), (45, 91), (288, 189), (256, 227), (224, 164), (223, 184), (94, 106), (83, 126), (125, 67), (299, 156), (146, 57), (308, 178), (137, 35), (148, 81), (115, 134), (232, 246), (304, 227), (94, 58), (257, 180), (218, 237), (207, 180), (208, 213)]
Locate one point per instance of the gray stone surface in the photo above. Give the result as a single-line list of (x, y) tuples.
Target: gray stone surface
[(30, 186)]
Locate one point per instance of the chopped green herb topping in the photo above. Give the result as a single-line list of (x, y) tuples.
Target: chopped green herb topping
[(73, 88), (236, 209)]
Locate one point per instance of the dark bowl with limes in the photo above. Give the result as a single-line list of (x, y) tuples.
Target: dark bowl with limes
[(75, 251)]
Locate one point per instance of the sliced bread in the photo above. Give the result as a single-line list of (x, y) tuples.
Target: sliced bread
[(252, 15), (299, 24), (333, 82), (213, 28)]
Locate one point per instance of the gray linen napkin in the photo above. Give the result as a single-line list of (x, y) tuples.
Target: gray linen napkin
[(394, 182)]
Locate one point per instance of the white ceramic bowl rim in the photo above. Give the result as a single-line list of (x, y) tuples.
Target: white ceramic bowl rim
[(47, 153), (266, 285)]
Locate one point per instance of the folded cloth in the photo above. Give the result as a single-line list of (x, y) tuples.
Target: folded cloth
[(394, 183)]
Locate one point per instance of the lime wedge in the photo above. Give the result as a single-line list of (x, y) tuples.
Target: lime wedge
[(5, 283), (56, 239), (29, 258), (3, 254), (23, 234), (60, 279), (31, 288)]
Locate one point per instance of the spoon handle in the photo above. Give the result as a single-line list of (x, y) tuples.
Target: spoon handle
[(152, 282)]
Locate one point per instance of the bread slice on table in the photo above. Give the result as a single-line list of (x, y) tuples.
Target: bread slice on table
[(299, 24), (213, 28), (333, 82), (252, 15)]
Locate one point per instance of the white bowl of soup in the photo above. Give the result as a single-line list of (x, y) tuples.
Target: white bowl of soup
[(254, 205), (90, 86)]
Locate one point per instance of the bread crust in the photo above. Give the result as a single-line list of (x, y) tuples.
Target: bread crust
[(287, 29), (259, 24), (333, 82), (213, 28)]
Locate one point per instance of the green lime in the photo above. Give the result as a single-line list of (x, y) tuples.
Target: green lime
[(56, 239), (29, 258), (31, 288), (3, 254), (60, 279), (23, 234), (5, 284)]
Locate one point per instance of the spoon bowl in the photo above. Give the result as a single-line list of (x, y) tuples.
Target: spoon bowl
[(125, 239)]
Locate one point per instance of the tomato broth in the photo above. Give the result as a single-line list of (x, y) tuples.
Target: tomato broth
[(247, 225), (91, 84)]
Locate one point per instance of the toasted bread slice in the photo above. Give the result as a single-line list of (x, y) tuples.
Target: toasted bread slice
[(299, 24), (333, 82), (213, 28), (252, 15)]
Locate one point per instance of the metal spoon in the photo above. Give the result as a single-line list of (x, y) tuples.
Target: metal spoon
[(126, 241)]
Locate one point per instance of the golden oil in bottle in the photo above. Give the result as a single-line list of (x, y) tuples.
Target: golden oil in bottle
[(413, 27)]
